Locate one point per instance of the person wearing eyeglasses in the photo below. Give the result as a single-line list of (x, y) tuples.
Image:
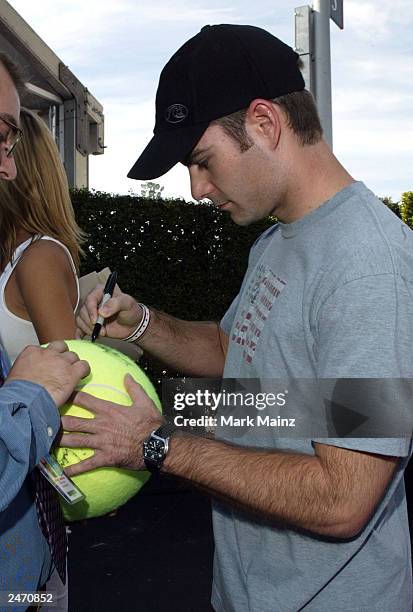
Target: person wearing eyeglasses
[(32, 536), (39, 247)]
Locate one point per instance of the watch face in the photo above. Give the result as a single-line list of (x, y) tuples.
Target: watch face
[(154, 450)]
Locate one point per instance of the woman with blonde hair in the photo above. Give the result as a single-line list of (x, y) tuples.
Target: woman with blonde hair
[(39, 256), (39, 245)]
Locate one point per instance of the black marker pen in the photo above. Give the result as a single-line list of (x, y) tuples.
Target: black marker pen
[(107, 294)]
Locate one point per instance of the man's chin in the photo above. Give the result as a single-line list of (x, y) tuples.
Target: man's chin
[(242, 222), (242, 219)]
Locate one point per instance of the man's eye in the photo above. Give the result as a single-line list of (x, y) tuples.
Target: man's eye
[(203, 164)]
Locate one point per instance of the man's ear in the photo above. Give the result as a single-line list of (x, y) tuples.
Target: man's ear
[(264, 120)]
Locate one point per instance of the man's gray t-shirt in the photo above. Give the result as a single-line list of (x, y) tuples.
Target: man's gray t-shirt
[(328, 296)]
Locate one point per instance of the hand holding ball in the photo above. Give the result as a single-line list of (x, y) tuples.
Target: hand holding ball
[(105, 489)]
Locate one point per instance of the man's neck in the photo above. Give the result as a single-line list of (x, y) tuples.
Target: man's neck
[(315, 176)]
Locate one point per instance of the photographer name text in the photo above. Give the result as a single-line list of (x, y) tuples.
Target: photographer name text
[(231, 421)]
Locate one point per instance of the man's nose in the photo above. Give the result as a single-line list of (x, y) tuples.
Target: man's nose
[(201, 186), (8, 170)]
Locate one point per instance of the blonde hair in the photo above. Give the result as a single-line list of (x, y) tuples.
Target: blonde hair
[(38, 200)]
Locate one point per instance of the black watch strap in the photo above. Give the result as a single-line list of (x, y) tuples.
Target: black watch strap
[(152, 467), (165, 430)]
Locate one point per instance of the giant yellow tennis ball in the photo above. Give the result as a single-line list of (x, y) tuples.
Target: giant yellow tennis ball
[(104, 488)]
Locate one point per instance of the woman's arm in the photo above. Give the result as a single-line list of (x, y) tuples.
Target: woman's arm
[(48, 289)]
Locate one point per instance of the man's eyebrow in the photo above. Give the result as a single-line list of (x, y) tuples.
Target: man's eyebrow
[(9, 118), (193, 156)]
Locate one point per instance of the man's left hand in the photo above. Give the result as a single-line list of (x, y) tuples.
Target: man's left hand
[(116, 433)]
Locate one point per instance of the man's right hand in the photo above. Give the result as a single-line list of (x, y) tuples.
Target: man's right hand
[(122, 314), (55, 368)]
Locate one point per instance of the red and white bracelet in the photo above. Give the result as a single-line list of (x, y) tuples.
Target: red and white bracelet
[(142, 327)]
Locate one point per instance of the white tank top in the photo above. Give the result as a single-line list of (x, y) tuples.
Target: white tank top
[(16, 333)]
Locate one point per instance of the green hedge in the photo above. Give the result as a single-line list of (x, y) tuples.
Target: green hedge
[(184, 258)]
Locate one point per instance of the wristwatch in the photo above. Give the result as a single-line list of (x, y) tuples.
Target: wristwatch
[(156, 447)]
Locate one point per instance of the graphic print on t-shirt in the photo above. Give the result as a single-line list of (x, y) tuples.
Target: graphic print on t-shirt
[(263, 289)]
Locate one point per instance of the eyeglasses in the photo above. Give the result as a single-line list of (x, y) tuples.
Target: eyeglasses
[(10, 136)]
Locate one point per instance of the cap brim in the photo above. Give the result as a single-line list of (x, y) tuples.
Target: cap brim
[(165, 150)]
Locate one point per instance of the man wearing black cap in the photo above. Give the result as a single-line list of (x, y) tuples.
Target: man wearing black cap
[(315, 523)]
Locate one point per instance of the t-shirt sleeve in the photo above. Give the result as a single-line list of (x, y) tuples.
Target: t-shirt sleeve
[(365, 331), (228, 318)]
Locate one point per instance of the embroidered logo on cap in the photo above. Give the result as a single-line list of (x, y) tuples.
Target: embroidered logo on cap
[(176, 113)]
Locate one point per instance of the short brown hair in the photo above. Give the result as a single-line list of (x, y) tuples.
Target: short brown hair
[(301, 113), (302, 116), (14, 71)]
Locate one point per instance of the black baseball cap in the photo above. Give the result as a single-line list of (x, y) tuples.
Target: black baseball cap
[(217, 72)]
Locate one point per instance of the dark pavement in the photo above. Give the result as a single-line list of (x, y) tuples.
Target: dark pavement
[(154, 554)]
